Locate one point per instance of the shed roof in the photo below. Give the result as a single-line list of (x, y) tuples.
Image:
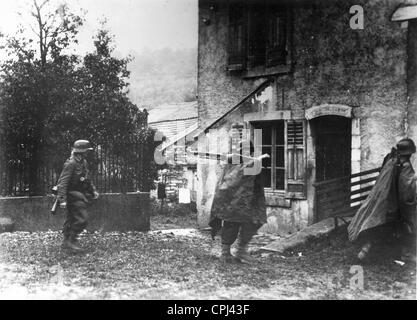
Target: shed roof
[(172, 128), (170, 112)]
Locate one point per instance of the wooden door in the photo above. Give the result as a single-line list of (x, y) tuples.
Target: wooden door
[(333, 161)]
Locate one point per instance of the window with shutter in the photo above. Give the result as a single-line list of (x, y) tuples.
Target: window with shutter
[(295, 159), (237, 36), (284, 141), (256, 36), (273, 143), (235, 139), (277, 36)]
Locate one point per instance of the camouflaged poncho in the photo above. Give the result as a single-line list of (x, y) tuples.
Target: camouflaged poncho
[(392, 199), (239, 197)]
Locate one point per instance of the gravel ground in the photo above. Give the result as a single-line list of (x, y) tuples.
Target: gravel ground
[(185, 265), (163, 222)]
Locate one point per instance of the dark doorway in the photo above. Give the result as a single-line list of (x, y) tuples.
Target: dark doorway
[(332, 136), (333, 147)]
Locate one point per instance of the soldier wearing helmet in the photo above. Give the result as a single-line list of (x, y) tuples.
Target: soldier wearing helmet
[(406, 147), (391, 205), (406, 197), (239, 204), (75, 191)]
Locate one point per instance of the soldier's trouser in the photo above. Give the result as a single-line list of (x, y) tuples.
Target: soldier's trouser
[(76, 220), (233, 230)]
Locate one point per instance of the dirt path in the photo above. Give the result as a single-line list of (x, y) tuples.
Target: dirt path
[(161, 265)]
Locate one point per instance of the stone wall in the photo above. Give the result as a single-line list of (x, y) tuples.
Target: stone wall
[(111, 212)]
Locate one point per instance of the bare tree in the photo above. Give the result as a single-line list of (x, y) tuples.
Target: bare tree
[(34, 83), (53, 29)]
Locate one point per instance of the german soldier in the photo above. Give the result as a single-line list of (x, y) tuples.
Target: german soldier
[(406, 199), (391, 203), (238, 206), (75, 191)]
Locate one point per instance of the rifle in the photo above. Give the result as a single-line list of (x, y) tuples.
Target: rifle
[(219, 156)]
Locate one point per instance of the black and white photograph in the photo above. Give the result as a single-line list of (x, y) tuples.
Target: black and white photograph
[(222, 150)]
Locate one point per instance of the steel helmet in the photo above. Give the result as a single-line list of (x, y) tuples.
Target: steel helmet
[(406, 147), (81, 146)]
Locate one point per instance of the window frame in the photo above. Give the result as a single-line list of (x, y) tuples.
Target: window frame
[(237, 61), (276, 52), (249, 67), (256, 56), (285, 193)]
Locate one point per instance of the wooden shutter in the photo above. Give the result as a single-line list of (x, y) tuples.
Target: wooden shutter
[(237, 37), (256, 35), (277, 36), (296, 155), (235, 137)]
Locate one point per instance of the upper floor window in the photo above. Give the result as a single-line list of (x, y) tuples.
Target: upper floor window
[(237, 36), (258, 35)]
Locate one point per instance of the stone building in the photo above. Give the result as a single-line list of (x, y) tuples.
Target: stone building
[(173, 119), (331, 94), (176, 123)]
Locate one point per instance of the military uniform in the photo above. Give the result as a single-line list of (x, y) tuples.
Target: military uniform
[(407, 205), (391, 203), (76, 191), (238, 209)]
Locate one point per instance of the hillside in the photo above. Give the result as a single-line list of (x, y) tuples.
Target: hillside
[(163, 76)]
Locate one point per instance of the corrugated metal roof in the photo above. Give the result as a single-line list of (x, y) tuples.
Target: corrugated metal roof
[(172, 128), (187, 132), (170, 112)]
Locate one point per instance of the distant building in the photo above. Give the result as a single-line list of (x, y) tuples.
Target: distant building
[(177, 123), (172, 119)]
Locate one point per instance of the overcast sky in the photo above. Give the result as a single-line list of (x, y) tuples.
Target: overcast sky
[(136, 24)]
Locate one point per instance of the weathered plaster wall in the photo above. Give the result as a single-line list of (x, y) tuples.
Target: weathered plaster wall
[(365, 69), (217, 90), (360, 68)]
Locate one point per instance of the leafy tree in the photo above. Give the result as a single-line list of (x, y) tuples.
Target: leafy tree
[(51, 98), (32, 82)]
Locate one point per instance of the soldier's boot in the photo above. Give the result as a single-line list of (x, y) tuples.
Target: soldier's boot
[(226, 256), (242, 253), (69, 244), (66, 243), (75, 244)]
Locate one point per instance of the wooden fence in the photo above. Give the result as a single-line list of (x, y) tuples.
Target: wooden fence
[(343, 196)]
